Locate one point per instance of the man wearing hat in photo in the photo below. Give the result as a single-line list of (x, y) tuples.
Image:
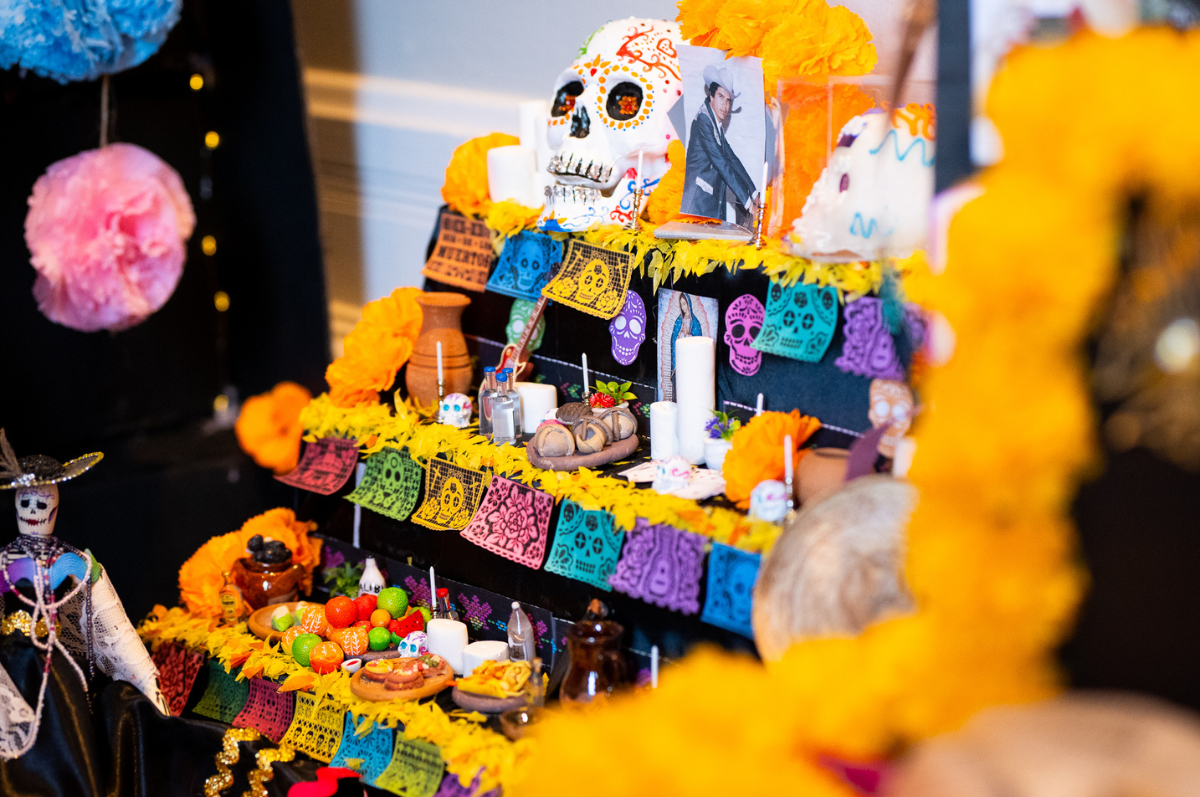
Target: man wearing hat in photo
[(713, 168)]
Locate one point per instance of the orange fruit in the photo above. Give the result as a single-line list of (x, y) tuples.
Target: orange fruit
[(314, 622), (354, 641), (325, 658), (335, 635), (380, 618), (289, 636)]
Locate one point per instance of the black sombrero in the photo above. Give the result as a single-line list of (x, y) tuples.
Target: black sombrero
[(38, 469)]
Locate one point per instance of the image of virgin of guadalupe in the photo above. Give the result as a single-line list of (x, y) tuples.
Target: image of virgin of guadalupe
[(717, 185)]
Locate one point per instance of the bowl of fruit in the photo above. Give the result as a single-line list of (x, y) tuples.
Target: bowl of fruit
[(322, 636)]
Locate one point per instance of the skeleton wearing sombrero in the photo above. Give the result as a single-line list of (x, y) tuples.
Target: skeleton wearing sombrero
[(88, 619)]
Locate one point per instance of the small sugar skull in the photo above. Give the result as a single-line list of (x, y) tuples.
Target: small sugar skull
[(891, 404), (671, 475), (743, 322), (769, 501), (518, 318), (628, 329), (456, 410), (37, 510), (593, 281), (413, 645)]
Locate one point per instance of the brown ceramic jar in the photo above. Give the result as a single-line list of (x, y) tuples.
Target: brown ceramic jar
[(441, 322), (266, 584)]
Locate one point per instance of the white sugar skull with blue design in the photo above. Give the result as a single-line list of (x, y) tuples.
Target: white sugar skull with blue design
[(413, 645), (456, 410), (769, 501), (872, 199)]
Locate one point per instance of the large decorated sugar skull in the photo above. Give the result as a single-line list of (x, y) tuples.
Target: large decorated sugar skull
[(743, 322), (769, 501), (37, 509), (455, 410), (609, 105), (628, 329), (873, 196)]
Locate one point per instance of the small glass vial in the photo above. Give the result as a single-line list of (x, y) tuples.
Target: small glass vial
[(486, 393), (233, 607), (520, 635), (442, 610), (504, 414), (516, 397)]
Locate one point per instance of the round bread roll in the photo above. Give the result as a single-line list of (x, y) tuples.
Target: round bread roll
[(572, 411), (620, 423), (590, 435), (554, 440)]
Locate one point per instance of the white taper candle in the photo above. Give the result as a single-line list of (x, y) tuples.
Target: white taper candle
[(654, 666), (586, 390)]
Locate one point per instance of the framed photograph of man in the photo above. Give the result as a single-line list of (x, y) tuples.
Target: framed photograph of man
[(724, 133)]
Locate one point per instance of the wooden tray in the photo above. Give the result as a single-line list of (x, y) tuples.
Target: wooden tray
[(260, 620), (367, 690), (617, 451)]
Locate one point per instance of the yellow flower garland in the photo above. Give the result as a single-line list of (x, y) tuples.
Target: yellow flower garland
[(466, 746), (375, 428), (991, 556)]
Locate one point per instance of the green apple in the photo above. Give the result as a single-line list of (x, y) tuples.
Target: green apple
[(393, 600), (302, 647), (379, 638)]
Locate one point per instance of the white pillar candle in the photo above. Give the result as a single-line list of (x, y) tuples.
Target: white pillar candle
[(447, 638), (477, 653), (695, 390), (536, 400), (509, 169), (664, 444)]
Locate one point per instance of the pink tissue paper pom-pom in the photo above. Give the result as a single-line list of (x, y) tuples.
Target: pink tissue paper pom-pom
[(107, 229)]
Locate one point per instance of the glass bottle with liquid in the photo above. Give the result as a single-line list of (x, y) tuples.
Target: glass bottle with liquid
[(520, 635), (486, 393), (504, 414), (516, 397), (442, 609), (233, 607)]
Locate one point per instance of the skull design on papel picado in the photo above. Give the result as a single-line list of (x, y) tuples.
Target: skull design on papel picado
[(743, 322)]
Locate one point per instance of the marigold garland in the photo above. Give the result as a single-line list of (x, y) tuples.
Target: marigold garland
[(268, 427), (756, 454), (467, 747), (991, 550), (202, 575), (376, 349), (466, 186), (376, 428)]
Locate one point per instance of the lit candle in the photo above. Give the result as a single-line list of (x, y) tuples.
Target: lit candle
[(654, 666), (758, 406), (586, 390)]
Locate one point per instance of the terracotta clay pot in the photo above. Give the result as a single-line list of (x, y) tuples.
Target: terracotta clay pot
[(820, 472), (265, 584), (442, 321)]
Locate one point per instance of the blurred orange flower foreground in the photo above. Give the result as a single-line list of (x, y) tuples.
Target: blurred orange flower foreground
[(201, 577), (268, 428), (376, 349)]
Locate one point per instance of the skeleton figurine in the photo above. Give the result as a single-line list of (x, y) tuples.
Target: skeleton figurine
[(610, 105), (455, 410), (87, 619)]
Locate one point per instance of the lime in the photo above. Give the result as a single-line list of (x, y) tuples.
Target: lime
[(428, 615), (378, 639), (302, 646), (393, 600)]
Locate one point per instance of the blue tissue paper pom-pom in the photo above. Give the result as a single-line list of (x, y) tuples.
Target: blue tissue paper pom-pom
[(82, 39)]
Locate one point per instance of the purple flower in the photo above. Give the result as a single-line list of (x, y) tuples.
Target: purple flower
[(333, 558), (714, 428)]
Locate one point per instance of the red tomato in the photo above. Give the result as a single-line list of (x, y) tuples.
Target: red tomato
[(341, 612), (366, 604)]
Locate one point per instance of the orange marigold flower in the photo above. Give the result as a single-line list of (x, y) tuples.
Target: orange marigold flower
[(667, 197), (756, 452), (466, 186), (376, 349), (201, 577), (268, 427)]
